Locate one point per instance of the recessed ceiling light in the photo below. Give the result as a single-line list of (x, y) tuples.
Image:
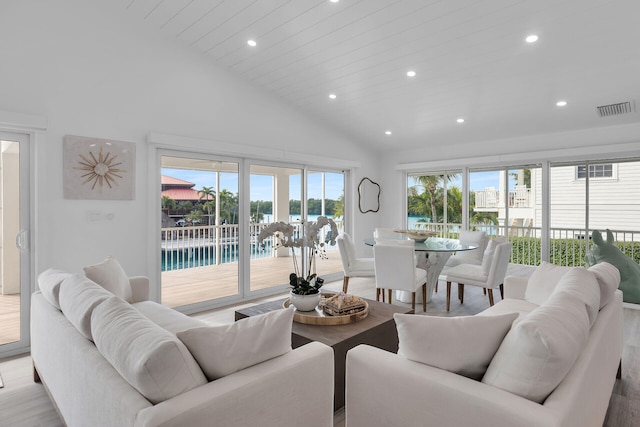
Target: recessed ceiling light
[(561, 103), (411, 73), (531, 38), (334, 1), (332, 96), (252, 43), (461, 120), (387, 132)]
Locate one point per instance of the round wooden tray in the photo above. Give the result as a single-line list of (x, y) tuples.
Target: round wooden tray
[(317, 317)]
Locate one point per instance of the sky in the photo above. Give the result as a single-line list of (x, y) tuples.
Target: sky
[(262, 185)]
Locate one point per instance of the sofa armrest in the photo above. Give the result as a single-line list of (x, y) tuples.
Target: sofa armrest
[(386, 389), (294, 389), (139, 288), (515, 287)]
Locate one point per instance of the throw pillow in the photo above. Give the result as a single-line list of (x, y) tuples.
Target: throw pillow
[(543, 281), (608, 277), (464, 345), (487, 257), (49, 283), (222, 350), (540, 349), (110, 275), (79, 296), (149, 358)]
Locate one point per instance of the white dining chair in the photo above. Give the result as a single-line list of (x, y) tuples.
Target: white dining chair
[(474, 256), (395, 267), (489, 275), (352, 265), (383, 233)]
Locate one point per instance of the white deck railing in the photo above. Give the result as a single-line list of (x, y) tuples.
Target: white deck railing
[(568, 245), (489, 198), (198, 246)]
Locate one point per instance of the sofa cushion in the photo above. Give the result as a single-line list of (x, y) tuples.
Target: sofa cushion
[(110, 275), (49, 283), (608, 277), (148, 357), (79, 296), (540, 349), (222, 350), (510, 305), (583, 286), (167, 318), (543, 281), (464, 345)]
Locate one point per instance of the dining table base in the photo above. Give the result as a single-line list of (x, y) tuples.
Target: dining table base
[(432, 263)]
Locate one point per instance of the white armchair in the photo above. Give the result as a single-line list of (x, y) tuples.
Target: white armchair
[(489, 275), (351, 265), (395, 268), (382, 233)]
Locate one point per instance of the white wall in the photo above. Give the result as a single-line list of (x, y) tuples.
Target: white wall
[(92, 72)]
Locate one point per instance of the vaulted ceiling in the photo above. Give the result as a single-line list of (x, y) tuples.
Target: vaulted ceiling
[(470, 59)]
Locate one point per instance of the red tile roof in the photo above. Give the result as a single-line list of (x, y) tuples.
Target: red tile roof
[(175, 182)]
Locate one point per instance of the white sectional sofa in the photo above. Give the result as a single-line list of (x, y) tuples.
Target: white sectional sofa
[(157, 381), (431, 381)]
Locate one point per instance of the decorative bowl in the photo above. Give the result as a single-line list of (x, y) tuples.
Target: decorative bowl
[(418, 235)]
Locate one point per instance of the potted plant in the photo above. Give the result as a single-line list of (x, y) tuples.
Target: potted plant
[(304, 282)]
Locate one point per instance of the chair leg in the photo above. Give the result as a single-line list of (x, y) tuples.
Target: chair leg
[(484, 291), (413, 301), (490, 292), (501, 291), (448, 295), (378, 294), (436, 288), (345, 284), (389, 292), (461, 293), (424, 297)]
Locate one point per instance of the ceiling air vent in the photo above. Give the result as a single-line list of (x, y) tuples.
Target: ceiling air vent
[(616, 109)]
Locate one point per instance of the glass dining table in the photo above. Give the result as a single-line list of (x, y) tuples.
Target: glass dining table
[(432, 254)]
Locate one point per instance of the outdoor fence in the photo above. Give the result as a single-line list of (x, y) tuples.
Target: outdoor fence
[(568, 246)]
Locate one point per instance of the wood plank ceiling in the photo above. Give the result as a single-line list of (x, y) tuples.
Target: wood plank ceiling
[(470, 58)]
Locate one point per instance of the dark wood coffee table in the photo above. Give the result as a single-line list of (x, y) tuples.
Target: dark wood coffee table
[(378, 329)]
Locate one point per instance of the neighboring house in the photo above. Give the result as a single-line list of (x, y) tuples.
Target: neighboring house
[(180, 190), (613, 198)]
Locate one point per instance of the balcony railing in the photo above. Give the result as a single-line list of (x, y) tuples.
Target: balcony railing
[(568, 245), (198, 246), (489, 198)]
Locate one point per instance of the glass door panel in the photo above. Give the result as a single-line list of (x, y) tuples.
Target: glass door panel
[(14, 242), (275, 195), (325, 196), (199, 235), (567, 215)]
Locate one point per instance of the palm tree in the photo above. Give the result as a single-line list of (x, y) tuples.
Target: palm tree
[(207, 193), (338, 208), (168, 203), (184, 205), (431, 184), (228, 206)]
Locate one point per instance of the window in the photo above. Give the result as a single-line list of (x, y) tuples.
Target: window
[(604, 170)]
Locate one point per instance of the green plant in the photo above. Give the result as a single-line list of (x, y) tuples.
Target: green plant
[(305, 286)]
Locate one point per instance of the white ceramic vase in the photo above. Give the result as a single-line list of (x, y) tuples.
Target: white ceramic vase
[(304, 302)]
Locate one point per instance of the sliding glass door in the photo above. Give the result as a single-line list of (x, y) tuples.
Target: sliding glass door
[(275, 195), (15, 278), (200, 229)]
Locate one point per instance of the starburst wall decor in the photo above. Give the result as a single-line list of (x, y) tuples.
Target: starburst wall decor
[(99, 169)]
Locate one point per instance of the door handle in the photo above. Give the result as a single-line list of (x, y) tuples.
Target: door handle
[(22, 240)]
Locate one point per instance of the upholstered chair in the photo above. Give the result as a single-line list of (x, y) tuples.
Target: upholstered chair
[(396, 269), (382, 233), (351, 265), (474, 256), (489, 275)]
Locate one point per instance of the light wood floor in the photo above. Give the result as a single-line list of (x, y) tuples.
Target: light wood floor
[(25, 404)]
